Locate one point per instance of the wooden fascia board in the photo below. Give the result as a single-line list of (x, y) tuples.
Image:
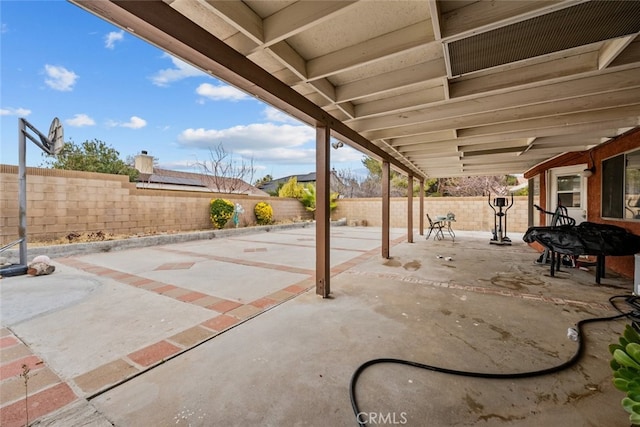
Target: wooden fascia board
[(566, 159)]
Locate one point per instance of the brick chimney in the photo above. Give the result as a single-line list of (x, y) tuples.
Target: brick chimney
[(144, 163)]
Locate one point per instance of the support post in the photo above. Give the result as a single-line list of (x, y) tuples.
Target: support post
[(530, 220), (422, 207), (322, 212), (385, 208), (410, 209)]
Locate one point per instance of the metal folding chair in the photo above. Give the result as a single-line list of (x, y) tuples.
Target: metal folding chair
[(436, 227)]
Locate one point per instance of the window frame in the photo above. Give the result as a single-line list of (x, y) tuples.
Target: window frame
[(607, 194)]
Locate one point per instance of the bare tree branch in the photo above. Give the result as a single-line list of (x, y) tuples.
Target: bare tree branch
[(224, 174)]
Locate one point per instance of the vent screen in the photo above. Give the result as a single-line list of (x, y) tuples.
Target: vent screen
[(573, 26)]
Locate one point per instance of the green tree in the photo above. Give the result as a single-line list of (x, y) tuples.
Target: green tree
[(373, 183), (91, 156), (373, 166), (263, 180)]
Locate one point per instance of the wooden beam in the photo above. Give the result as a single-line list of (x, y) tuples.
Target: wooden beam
[(591, 102), (299, 17), (393, 80), (421, 95), (602, 82), (611, 49), (161, 25), (563, 160), (375, 49), (629, 111), (480, 16), (511, 75), (240, 16)]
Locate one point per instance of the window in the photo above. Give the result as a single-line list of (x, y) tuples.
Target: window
[(569, 191), (632, 185), (621, 186)]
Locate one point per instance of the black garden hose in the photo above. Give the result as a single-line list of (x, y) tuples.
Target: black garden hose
[(634, 315)]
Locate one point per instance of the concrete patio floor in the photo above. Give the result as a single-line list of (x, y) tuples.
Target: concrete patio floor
[(229, 331)]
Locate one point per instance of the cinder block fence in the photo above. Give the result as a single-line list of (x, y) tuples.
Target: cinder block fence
[(61, 202), (472, 213)]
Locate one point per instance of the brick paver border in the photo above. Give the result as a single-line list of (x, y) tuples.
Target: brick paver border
[(45, 391), (227, 315)]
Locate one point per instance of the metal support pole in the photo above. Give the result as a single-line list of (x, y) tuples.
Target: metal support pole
[(22, 191)]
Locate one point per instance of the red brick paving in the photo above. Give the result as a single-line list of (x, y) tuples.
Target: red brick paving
[(153, 353), (175, 266), (8, 342), (264, 302), (296, 289), (39, 404), (224, 306), (141, 281), (40, 401), (220, 323), (11, 369), (191, 296), (163, 289)]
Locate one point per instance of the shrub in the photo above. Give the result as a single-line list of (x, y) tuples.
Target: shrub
[(292, 189), (221, 211), (264, 213), (626, 371), (308, 199)]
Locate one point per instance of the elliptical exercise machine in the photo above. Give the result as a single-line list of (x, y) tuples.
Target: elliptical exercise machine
[(500, 234)]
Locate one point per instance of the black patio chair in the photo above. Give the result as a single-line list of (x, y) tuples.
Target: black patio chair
[(436, 227)]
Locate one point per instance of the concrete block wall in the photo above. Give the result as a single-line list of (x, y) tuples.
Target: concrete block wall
[(472, 213), (60, 202)]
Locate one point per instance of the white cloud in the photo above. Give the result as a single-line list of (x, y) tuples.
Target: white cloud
[(113, 37), (181, 70), (23, 112), (275, 115), (4, 28), (59, 78), (279, 149), (134, 122), (80, 120), (221, 92), (250, 138)]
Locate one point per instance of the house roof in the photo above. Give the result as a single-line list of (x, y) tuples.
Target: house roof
[(271, 186), (190, 179), (437, 88), (310, 177)]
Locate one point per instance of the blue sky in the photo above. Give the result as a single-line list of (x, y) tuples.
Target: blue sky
[(103, 83)]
